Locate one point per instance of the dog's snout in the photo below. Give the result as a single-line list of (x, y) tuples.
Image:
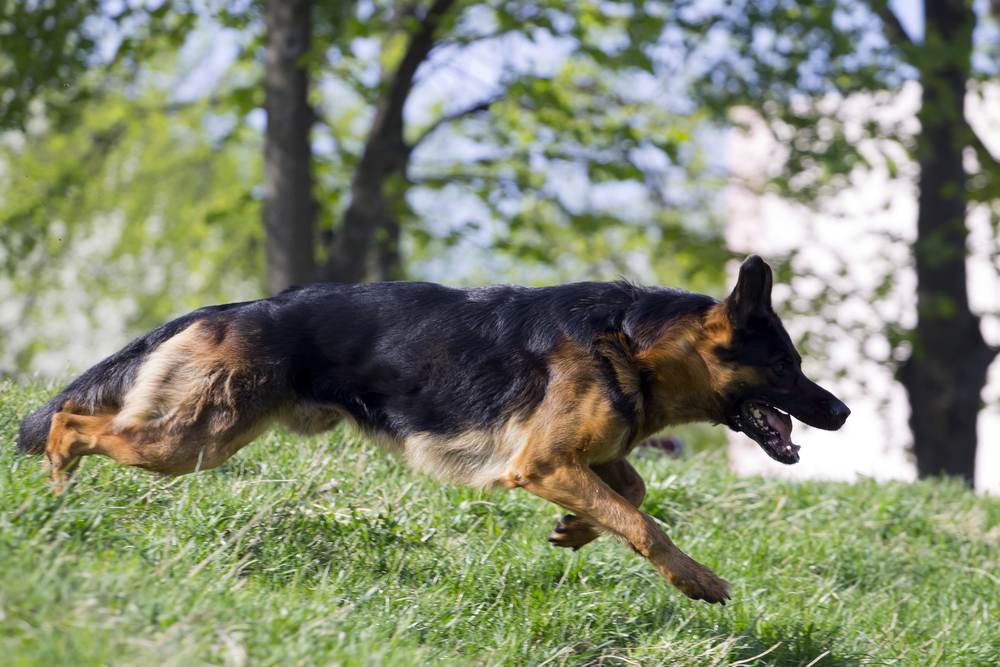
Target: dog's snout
[(839, 411)]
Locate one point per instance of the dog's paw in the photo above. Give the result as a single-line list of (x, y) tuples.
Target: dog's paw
[(699, 583), (573, 532)]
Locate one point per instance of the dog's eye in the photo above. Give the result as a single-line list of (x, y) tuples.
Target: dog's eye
[(779, 368)]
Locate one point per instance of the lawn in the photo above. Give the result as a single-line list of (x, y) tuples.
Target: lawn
[(325, 551)]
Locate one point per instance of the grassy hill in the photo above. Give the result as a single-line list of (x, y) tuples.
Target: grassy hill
[(325, 551)]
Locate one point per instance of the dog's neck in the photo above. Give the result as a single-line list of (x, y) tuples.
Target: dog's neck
[(680, 373)]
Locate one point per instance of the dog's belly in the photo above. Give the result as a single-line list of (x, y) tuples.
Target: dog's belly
[(481, 458), (311, 418), (477, 458)]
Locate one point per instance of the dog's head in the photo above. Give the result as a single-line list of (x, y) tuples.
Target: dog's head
[(762, 382)]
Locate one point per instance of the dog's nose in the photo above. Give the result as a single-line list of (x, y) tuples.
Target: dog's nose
[(839, 411)]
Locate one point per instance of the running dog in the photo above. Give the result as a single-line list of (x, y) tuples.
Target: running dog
[(545, 388)]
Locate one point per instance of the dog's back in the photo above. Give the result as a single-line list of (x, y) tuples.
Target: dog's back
[(390, 354), (414, 357)]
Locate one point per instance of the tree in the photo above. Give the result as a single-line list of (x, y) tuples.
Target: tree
[(797, 64), (57, 58), (386, 153), (120, 205), (947, 370), (51, 50), (45, 49), (289, 205), (363, 227)]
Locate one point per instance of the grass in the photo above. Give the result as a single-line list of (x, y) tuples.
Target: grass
[(325, 551)]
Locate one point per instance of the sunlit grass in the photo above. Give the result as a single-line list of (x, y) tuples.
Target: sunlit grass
[(325, 551)]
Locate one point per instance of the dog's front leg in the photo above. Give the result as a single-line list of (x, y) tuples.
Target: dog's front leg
[(575, 486), (572, 531)]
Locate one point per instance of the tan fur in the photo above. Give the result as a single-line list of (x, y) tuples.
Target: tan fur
[(687, 375), (578, 488), (575, 435), (575, 532), (310, 418), (575, 418), (574, 402), (195, 402), (476, 458)]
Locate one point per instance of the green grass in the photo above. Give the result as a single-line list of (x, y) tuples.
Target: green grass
[(325, 551)]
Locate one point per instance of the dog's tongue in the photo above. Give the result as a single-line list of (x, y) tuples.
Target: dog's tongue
[(780, 422)]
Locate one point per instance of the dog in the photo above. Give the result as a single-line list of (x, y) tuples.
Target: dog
[(543, 388)]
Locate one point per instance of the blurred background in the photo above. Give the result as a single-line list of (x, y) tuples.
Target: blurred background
[(160, 156)]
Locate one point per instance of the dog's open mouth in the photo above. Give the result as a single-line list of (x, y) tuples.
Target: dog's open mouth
[(771, 428)]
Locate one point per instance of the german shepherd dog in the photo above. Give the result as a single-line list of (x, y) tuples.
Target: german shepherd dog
[(547, 389)]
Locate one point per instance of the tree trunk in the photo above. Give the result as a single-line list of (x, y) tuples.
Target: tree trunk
[(387, 263), (947, 369), (386, 153), (289, 207)]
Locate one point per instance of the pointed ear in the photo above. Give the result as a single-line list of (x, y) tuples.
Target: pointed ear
[(753, 290)]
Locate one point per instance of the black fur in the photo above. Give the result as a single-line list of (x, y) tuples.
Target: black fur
[(408, 357)]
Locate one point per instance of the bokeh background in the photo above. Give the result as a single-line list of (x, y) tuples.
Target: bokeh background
[(159, 156)]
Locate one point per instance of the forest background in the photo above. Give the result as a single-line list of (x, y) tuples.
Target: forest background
[(158, 156)]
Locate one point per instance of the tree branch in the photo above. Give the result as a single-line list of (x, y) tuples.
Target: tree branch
[(444, 120), (983, 154), (385, 152), (416, 53), (893, 28)]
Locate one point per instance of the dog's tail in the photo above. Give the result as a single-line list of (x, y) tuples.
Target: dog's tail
[(103, 387)]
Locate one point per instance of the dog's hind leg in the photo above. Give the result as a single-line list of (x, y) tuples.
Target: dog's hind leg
[(73, 436), (575, 532), (577, 487), (169, 450)]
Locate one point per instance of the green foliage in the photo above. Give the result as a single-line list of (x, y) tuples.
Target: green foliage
[(584, 178), (53, 52), (797, 65), (130, 216), (588, 161), (46, 47), (327, 551), (145, 204), (528, 155)]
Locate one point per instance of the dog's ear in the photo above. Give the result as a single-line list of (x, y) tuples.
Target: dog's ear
[(752, 293)]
